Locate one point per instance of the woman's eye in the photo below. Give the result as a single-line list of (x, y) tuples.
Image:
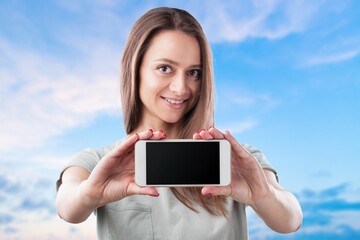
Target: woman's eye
[(165, 69), (195, 73)]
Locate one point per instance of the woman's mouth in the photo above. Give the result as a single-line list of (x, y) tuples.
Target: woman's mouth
[(173, 101)]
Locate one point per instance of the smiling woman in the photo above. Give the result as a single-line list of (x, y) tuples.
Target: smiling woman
[(169, 80), (167, 84)]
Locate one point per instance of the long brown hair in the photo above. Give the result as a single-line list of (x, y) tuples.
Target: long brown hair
[(200, 116)]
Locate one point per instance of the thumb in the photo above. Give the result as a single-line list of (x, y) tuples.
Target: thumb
[(151, 191), (136, 190)]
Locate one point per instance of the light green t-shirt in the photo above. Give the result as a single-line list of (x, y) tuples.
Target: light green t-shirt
[(164, 217)]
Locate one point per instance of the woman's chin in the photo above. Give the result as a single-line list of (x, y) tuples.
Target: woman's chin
[(172, 119)]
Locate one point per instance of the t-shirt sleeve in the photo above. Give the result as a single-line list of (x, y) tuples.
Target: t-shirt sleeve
[(87, 159), (260, 157)]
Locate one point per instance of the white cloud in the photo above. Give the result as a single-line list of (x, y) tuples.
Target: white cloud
[(331, 58), (28, 192), (33, 227), (323, 216), (42, 97), (65, 76), (238, 96), (44, 94), (239, 127), (230, 20), (271, 19)]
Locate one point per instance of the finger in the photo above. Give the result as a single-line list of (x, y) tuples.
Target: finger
[(126, 146), (145, 134), (196, 136), (129, 143), (134, 189), (216, 133), (164, 135), (157, 135), (216, 191), (236, 147), (205, 135)]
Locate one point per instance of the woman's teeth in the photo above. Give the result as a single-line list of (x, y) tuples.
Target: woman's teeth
[(174, 101)]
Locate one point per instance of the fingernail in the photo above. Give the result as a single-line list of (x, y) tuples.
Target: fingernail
[(202, 130), (161, 131), (211, 126), (195, 133)]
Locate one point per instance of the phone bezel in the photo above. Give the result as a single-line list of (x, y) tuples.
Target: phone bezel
[(140, 163)]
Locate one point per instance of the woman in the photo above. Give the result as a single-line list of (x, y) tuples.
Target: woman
[(167, 84)]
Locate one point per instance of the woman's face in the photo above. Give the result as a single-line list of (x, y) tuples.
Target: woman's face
[(170, 77)]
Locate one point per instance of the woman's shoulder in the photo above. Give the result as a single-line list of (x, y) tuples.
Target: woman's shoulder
[(102, 151), (259, 156), (89, 157)]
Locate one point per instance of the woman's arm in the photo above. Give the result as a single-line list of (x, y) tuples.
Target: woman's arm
[(278, 208), (112, 179), (256, 187), (71, 203)]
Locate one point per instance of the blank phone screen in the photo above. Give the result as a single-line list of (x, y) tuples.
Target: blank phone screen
[(190, 163)]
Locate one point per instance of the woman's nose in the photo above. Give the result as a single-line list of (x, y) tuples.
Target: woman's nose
[(178, 85)]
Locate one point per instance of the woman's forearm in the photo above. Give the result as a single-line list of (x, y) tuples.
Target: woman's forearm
[(71, 205), (280, 210), (72, 201)]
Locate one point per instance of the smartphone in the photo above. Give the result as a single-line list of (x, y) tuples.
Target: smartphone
[(182, 162)]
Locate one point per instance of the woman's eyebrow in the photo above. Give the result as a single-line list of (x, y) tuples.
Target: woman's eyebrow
[(166, 60), (175, 63)]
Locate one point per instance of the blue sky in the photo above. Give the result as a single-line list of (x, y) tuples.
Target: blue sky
[(287, 80)]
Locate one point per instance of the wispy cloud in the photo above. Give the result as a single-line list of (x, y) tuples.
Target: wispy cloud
[(239, 127), (237, 96), (5, 218), (20, 192), (45, 91), (28, 197), (237, 100), (42, 97), (327, 215), (62, 77), (341, 232), (273, 19), (323, 208), (330, 45), (332, 58), (61, 74)]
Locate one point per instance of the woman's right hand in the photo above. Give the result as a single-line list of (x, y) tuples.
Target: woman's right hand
[(113, 178)]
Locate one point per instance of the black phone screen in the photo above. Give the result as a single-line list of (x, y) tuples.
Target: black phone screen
[(176, 163)]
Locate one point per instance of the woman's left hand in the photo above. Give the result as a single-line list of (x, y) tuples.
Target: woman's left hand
[(248, 181), (252, 185)]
